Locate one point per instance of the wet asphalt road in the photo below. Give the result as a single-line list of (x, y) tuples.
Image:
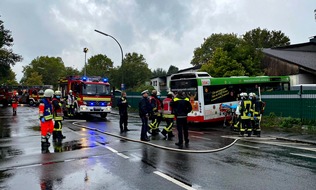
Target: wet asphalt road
[(94, 157)]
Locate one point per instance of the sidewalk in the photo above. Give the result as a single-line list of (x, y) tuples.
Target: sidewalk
[(279, 135)]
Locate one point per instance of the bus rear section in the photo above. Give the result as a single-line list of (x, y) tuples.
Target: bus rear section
[(215, 99)]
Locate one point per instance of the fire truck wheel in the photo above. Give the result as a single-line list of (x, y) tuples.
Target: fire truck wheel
[(103, 115), (31, 102), (5, 103)]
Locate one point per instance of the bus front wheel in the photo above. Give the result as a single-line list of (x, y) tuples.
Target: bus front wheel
[(103, 115)]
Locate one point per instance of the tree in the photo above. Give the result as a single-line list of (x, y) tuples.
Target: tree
[(7, 57), (69, 71), (233, 57), (172, 69), (34, 79), (50, 68), (263, 38), (159, 72), (134, 70), (204, 53), (9, 79), (222, 65), (98, 65)]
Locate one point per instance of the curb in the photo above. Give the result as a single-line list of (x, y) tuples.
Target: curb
[(296, 140)]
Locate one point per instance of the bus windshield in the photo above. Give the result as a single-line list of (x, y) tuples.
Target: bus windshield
[(96, 89)]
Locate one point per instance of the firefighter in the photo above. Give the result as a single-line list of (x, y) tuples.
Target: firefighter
[(70, 104), (168, 116), (123, 105), (15, 101), (58, 117), (160, 110), (258, 108), (245, 110), (46, 118), (156, 109), (181, 108)]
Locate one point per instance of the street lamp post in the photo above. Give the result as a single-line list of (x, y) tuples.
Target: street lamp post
[(85, 50), (122, 85)]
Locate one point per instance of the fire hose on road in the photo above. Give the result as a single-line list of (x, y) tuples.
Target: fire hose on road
[(77, 123)]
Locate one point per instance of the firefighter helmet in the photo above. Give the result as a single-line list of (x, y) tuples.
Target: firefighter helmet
[(58, 93), (48, 93), (251, 94), (243, 95), (70, 91)]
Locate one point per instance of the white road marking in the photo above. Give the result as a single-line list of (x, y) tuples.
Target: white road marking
[(122, 155), (303, 155), (113, 150), (201, 138), (179, 183), (248, 146)]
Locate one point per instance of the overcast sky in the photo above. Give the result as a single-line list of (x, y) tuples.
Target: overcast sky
[(165, 32)]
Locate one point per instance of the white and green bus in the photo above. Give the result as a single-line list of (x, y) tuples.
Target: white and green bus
[(208, 94)]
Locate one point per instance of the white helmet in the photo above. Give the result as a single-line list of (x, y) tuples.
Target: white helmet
[(70, 91), (48, 93), (251, 94), (58, 93), (243, 95), (16, 94), (158, 93), (170, 93)]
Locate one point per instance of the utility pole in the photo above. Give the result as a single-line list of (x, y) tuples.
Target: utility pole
[(85, 50)]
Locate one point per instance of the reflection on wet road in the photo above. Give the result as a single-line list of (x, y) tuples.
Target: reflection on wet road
[(92, 159)]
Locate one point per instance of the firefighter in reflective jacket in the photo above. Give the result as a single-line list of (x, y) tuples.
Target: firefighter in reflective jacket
[(258, 109), (46, 118), (245, 115), (15, 101), (58, 117), (70, 104), (168, 115), (156, 105)]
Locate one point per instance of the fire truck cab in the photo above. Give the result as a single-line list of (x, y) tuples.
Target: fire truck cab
[(92, 94)]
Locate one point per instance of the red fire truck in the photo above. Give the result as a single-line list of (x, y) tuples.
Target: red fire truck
[(5, 95), (93, 94), (27, 94)]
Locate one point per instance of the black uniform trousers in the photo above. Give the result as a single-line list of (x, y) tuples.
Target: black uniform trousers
[(123, 121), (182, 127), (143, 134)]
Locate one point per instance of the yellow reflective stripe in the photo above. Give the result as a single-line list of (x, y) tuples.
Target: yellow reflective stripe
[(168, 116), (95, 99), (48, 117), (58, 118)]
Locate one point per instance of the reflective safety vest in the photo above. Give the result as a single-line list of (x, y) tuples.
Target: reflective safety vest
[(157, 109), (70, 99), (167, 109), (45, 109), (245, 109), (58, 113)]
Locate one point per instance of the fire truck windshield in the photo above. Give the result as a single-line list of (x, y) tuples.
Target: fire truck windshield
[(96, 89)]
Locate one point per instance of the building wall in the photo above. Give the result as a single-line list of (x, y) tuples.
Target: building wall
[(277, 67)]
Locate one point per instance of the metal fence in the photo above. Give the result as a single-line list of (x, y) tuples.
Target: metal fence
[(295, 104)]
